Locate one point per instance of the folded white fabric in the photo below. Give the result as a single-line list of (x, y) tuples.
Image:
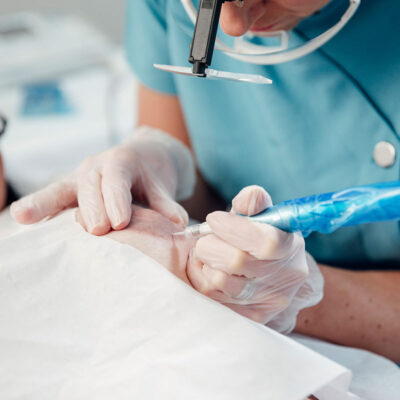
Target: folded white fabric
[(85, 318), (8, 226), (374, 377)]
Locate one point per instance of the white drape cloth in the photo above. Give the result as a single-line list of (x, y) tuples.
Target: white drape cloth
[(85, 318)]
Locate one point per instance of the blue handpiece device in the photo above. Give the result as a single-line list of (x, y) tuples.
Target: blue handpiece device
[(325, 213), (328, 212)]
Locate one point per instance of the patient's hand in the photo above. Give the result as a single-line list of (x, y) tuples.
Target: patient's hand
[(151, 233), (3, 187)]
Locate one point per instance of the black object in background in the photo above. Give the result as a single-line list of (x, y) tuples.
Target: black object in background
[(11, 195), (3, 124)]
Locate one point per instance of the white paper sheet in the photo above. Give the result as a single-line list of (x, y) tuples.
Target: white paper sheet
[(374, 377), (83, 317), (87, 318)]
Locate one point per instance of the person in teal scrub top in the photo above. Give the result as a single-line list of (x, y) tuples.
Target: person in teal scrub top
[(330, 120)]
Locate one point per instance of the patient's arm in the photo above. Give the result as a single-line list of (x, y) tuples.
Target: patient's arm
[(151, 233)]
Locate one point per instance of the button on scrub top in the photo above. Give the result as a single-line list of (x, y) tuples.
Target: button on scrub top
[(313, 130)]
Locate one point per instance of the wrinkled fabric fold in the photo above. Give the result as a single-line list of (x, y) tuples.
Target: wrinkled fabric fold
[(83, 317)]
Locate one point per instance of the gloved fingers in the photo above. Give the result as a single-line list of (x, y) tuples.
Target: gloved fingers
[(262, 241), (234, 288), (79, 219), (116, 189), (219, 285), (197, 278), (46, 202), (251, 200), (240, 294), (161, 201), (259, 312), (249, 312), (271, 291), (91, 204), (311, 292), (218, 254)]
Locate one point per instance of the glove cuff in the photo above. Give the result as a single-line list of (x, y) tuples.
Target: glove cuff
[(181, 158), (308, 295)]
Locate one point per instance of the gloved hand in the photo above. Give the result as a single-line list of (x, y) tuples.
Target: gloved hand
[(152, 166), (255, 269)]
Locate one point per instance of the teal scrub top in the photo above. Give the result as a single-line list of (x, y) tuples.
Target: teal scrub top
[(313, 131)]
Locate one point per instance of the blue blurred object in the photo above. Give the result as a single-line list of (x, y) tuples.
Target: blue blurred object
[(45, 99), (325, 213), (328, 212)]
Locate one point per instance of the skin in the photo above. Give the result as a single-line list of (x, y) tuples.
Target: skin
[(3, 187), (260, 16), (152, 234), (359, 309)]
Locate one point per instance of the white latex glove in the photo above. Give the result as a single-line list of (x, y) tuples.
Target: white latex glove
[(255, 269), (152, 166)]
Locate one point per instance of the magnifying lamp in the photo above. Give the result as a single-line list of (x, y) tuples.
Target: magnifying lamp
[(205, 39)]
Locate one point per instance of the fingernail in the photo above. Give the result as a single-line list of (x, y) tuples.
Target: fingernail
[(216, 216), (94, 226), (98, 230), (180, 220), (120, 224), (115, 217), (90, 225), (219, 219), (21, 214)]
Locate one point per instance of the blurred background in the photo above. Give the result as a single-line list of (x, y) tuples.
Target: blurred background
[(106, 15), (65, 87)]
